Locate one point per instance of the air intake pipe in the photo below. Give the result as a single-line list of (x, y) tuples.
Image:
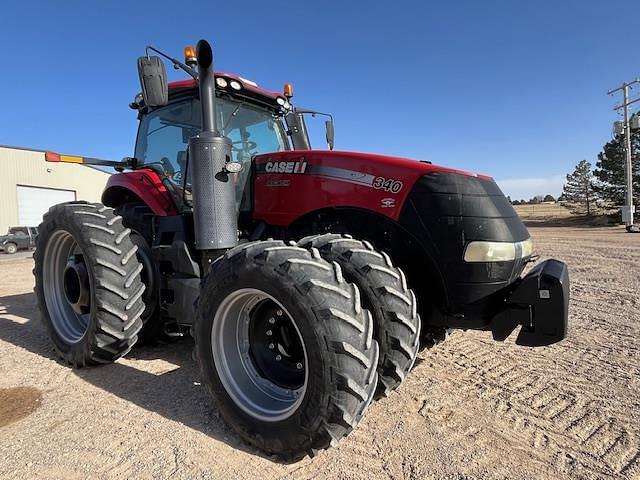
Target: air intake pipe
[(214, 196)]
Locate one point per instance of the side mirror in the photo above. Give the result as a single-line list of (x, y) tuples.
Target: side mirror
[(153, 80), (329, 133)]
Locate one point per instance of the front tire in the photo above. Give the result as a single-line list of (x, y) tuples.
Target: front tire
[(312, 319), (88, 283), (139, 218), (10, 248)]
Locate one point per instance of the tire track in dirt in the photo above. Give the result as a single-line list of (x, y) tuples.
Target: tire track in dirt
[(549, 417)]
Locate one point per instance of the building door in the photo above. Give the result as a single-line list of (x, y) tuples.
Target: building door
[(34, 202)]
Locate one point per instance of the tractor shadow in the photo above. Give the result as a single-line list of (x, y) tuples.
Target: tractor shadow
[(174, 389)]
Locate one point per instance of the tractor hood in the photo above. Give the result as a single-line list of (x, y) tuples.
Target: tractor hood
[(366, 163), (442, 209), (315, 179)]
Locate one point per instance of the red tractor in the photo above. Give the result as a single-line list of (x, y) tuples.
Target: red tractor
[(309, 279)]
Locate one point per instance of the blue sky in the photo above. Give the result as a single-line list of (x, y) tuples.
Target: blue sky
[(515, 89)]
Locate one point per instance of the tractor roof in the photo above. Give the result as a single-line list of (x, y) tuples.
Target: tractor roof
[(246, 84)]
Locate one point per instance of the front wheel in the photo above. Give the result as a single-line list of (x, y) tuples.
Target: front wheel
[(386, 294), (285, 348), (10, 248)]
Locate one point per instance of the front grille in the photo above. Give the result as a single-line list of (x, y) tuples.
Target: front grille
[(445, 211)]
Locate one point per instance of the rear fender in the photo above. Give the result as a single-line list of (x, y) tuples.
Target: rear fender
[(143, 186)]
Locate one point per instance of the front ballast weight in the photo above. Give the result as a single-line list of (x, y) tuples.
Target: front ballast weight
[(539, 302)]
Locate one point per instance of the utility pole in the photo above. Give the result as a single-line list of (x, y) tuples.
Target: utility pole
[(628, 209)]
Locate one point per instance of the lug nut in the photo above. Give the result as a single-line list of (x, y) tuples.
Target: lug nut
[(299, 366), (271, 346), (269, 333), (278, 357), (279, 313), (272, 320)]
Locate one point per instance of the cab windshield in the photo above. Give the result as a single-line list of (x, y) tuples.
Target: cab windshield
[(163, 137)]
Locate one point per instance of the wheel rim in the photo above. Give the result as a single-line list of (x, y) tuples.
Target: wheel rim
[(12, 249), (259, 355), (67, 286)]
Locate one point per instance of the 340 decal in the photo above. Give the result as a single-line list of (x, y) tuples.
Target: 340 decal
[(387, 184)]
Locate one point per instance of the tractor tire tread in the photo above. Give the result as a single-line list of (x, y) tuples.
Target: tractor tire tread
[(387, 297), (112, 330), (345, 330)]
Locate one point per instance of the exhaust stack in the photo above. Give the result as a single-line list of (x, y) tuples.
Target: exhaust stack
[(214, 196)]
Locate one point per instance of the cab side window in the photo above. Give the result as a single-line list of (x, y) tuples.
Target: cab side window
[(163, 137)]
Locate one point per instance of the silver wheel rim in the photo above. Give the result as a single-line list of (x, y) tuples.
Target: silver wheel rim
[(249, 388), (69, 319)]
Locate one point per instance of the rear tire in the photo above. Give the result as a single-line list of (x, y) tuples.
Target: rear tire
[(386, 294), (88, 283), (10, 248), (335, 334)]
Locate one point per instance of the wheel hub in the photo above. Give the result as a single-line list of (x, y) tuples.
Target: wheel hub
[(275, 346), (76, 284), (259, 354)]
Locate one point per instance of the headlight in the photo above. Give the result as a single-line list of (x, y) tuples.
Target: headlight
[(221, 82), (235, 85), (527, 248), (281, 101), (481, 251)]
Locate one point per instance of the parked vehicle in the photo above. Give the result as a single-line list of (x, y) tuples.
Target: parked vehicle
[(309, 279), (18, 238)]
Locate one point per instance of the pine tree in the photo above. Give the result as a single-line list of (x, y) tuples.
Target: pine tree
[(610, 180), (579, 186)]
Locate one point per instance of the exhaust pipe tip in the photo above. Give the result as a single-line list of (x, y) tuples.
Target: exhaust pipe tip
[(204, 54)]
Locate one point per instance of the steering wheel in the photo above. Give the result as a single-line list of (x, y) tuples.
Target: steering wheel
[(247, 145)]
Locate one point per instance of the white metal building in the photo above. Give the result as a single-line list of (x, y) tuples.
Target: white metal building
[(29, 185)]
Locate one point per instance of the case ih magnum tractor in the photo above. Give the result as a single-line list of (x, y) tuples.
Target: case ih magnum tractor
[(309, 279)]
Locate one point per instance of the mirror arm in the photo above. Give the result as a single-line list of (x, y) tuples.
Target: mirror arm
[(176, 63), (313, 113)]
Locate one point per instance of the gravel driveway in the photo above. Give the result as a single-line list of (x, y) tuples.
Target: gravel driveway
[(471, 408)]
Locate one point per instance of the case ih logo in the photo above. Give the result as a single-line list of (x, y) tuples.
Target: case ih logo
[(285, 167)]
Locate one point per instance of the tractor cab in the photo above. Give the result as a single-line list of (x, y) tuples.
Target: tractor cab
[(254, 125), (252, 118), (255, 120)]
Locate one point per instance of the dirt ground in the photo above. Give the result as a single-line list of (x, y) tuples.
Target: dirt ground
[(471, 408)]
